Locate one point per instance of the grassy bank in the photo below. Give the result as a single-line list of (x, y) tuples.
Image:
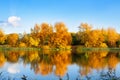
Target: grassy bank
[(76, 48), (84, 49), (31, 48)]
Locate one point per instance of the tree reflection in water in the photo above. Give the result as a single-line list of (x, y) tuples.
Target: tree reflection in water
[(57, 62), (2, 59), (97, 61)]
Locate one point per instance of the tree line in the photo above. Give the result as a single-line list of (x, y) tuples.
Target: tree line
[(89, 37), (57, 36)]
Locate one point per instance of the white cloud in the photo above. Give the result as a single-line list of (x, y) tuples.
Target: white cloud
[(13, 69), (11, 21), (14, 20)]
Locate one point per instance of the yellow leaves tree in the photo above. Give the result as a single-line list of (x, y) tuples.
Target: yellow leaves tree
[(89, 37), (45, 33), (25, 39), (36, 29), (95, 39), (22, 44), (57, 36), (112, 37), (33, 42), (84, 30), (61, 37), (12, 39), (2, 37), (84, 27)]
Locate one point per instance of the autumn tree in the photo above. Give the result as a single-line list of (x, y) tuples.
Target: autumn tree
[(2, 37), (44, 33), (112, 37), (91, 38), (95, 39), (12, 39), (83, 33), (61, 37), (36, 29), (33, 42), (24, 42)]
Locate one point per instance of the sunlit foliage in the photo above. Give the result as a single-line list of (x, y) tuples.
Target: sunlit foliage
[(22, 44), (33, 42), (95, 39), (61, 38), (46, 30), (24, 40), (84, 30), (58, 36), (12, 39), (112, 37), (2, 37)]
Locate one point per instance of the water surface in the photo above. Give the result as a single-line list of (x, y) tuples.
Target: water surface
[(59, 65)]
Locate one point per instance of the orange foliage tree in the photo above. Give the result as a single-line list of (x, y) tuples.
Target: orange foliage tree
[(12, 39), (46, 30), (112, 37), (91, 38), (61, 37), (57, 36), (84, 30), (95, 39), (2, 37)]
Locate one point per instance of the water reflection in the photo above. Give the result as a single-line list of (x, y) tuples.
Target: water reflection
[(2, 59), (100, 61), (92, 65)]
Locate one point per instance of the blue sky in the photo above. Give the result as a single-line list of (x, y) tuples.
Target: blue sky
[(26, 13)]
